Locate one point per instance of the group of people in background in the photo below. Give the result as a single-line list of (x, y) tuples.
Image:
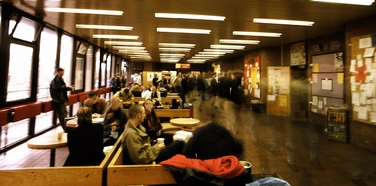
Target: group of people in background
[(139, 125)]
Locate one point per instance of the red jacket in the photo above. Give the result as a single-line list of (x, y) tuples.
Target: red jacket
[(226, 166)]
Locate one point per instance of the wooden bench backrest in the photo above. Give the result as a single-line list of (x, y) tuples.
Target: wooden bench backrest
[(59, 176), (118, 174), (172, 113)]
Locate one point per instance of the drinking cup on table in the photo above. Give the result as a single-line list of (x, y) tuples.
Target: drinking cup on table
[(60, 135), (160, 140), (72, 87)]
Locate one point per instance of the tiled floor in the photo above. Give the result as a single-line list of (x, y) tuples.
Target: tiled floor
[(266, 142)]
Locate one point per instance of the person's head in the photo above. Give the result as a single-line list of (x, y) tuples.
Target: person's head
[(93, 97), (156, 75), (60, 72), (126, 90), (148, 105), (116, 104), (153, 89), (147, 87), (137, 112), (84, 116)]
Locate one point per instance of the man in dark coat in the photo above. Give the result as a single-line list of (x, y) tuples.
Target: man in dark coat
[(58, 92)]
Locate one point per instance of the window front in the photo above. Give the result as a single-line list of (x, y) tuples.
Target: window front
[(20, 72), (89, 68), (47, 62), (97, 68), (66, 52)]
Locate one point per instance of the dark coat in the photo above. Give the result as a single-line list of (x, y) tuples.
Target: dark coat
[(212, 141), (152, 124), (58, 90), (111, 116), (85, 144)]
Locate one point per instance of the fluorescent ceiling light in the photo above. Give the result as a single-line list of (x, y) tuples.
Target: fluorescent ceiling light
[(203, 57), (184, 30), (122, 43), (85, 11), (132, 51), (235, 47), (283, 22), (175, 49), (177, 45), (163, 54), (114, 36), (218, 53), (128, 48), (353, 2), (218, 50), (106, 27), (238, 41), (170, 60), (265, 34), (208, 55), (190, 16)]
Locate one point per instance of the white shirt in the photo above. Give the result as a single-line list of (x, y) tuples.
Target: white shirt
[(145, 93)]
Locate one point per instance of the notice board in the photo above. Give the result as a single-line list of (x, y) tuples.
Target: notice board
[(327, 81), (278, 100)]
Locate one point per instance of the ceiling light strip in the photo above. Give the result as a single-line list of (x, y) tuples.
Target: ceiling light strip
[(283, 22), (177, 45), (105, 36), (105, 27), (122, 43), (184, 30), (238, 41), (190, 16), (85, 11), (235, 47), (175, 49), (264, 34), (353, 2)]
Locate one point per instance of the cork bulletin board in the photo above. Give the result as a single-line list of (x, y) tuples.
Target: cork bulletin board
[(363, 78), (327, 81), (278, 100)]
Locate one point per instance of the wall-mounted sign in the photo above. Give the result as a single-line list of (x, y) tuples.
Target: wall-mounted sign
[(182, 65)]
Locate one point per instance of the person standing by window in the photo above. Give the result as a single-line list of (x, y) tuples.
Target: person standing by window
[(58, 92)]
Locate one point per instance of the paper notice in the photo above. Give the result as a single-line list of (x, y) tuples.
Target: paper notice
[(282, 101), (362, 113), (314, 78), (372, 116), (352, 79), (355, 98), (369, 52), (340, 78), (353, 87), (320, 105), (362, 98), (257, 93), (314, 100), (359, 57), (365, 42), (352, 69), (271, 97), (360, 63), (324, 101), (315, 67)]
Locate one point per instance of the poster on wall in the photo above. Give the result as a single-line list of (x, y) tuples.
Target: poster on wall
[(252, 76), (298, 54)]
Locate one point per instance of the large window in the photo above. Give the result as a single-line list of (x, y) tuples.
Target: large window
[(97, 67), (19, 76), (66, 52), (47, 61), (89, 68)]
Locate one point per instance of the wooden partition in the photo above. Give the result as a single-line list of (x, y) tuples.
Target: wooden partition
[(60, 176), (119, 174)]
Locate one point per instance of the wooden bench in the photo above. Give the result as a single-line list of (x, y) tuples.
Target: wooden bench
[(119, 174), (164, 100), (59, 176)]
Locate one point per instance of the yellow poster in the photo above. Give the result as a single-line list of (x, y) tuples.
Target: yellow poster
[(315, 67), (255, 80), (282, 100), (340, 78)]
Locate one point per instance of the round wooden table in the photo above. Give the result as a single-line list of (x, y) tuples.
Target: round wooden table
[(185, 122), (73, 122), (48, 141)]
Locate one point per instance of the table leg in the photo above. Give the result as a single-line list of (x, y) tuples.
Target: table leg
[(52, 157)]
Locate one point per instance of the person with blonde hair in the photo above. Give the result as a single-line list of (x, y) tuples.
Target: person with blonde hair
[(85, 142)]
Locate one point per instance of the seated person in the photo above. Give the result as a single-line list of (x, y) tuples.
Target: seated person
[(136, 141), (126, 97), (212, 141), (114, 121), (153, 125), (154, 95), (85, 142), (136, 90), (96, 104), (145, 91)]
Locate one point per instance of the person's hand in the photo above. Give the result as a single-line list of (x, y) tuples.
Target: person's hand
[(113, 127), (161, 146), (159, 132)]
